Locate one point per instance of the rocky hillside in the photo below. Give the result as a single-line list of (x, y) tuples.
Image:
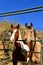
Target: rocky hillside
[(5, 26)]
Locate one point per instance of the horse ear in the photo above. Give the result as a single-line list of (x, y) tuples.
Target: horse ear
[(12, 26), (18, 26), (26, 24), (31, 25)]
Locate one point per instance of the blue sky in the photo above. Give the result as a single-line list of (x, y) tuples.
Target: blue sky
[(11, 5)]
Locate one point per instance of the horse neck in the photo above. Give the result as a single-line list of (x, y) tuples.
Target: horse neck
[(34, 35)]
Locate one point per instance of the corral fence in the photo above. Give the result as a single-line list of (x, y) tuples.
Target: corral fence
[(8, 49)]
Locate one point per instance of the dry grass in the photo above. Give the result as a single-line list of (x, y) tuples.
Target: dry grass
[(11, 46), (3, 56)]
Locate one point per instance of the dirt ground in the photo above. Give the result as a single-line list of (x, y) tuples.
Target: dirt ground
[(2, 55)]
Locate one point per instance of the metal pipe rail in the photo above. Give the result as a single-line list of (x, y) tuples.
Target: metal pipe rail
[(21, 51), (10, 60)]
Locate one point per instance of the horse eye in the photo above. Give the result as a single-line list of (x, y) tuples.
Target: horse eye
[(31, 31)]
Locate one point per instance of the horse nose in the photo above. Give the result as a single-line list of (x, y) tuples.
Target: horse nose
[(25, 40), (11, 39)]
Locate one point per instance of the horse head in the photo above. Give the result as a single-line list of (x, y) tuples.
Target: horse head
[(29, 33), (16, 37), (15, 34)]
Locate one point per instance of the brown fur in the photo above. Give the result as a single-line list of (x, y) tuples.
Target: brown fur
[(16, 34), (17, 55)]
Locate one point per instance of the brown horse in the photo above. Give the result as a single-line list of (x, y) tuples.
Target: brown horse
[(16, 37), (30, 34)]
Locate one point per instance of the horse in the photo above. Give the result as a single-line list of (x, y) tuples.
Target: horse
[(19, 44), (35, 46)]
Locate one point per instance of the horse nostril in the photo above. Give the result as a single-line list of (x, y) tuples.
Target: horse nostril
[(24, 41), (11, 39)]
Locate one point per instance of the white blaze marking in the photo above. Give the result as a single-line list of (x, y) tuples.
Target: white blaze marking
[(23, 46), (27, 59), (13, 34)]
